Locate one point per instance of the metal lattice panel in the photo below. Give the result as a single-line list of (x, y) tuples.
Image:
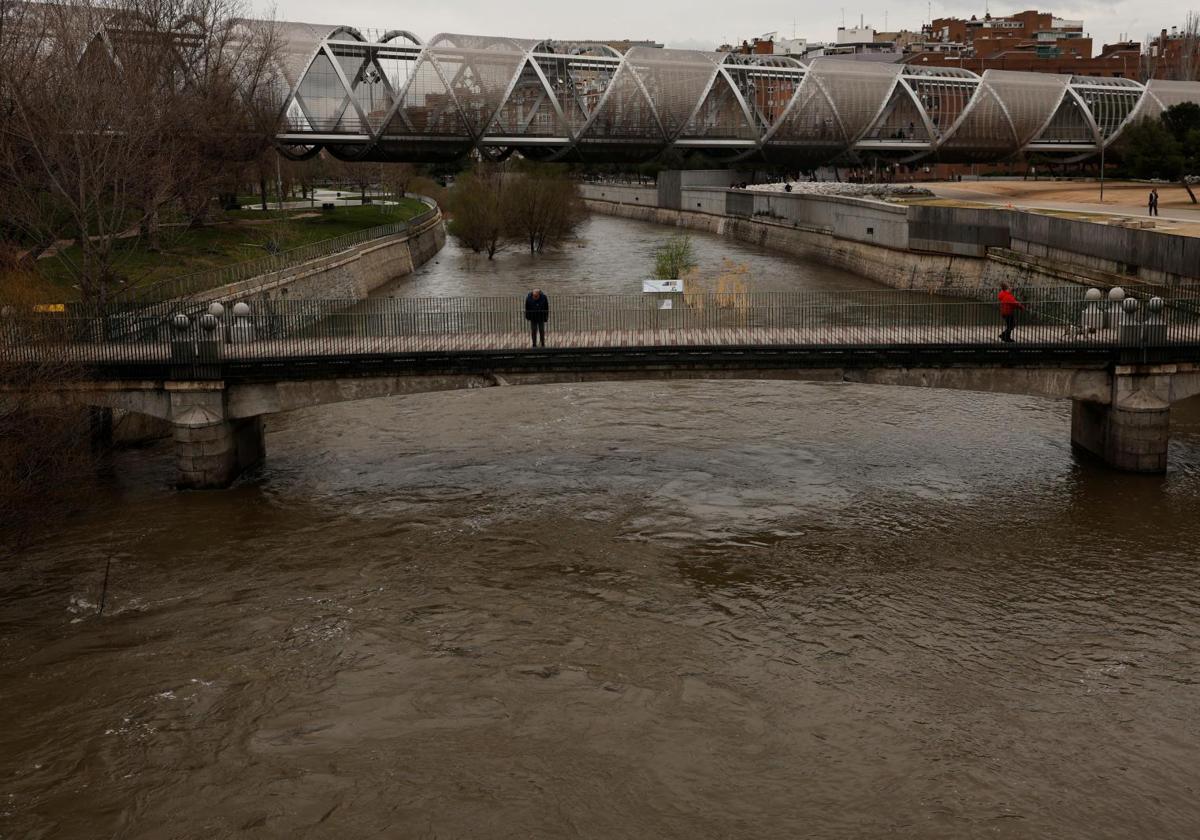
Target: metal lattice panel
[(1069, 126), (1029, 99), (389, 97), (857, 90), (983, 129), (722, 114)]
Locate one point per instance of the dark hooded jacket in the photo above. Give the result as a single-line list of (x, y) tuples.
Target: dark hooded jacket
[(537, 311)]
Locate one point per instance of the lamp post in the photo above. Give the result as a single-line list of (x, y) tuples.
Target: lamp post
[(1102, 170)]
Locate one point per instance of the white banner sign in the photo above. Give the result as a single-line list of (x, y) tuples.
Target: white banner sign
[(651, 286)]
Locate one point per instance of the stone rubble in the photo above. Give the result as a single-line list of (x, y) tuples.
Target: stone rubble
[(841, 188)]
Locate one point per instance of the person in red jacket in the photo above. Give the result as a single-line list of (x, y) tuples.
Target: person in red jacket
[(1008, 311)]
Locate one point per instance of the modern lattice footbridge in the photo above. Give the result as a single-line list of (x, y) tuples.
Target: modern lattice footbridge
[(387, 96)]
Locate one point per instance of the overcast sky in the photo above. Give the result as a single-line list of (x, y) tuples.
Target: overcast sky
[(699, 24)]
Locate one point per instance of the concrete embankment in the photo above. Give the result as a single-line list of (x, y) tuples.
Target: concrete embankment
[(347, 275), (940, 249)]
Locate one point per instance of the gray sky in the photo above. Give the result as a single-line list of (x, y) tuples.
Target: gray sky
[(698, 24)]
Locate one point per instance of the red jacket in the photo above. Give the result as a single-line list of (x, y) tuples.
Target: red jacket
[(1008, 303)]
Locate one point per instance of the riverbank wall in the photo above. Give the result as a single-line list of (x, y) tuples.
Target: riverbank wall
[(940, 249), (351, 274)]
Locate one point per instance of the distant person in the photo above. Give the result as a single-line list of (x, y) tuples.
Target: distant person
[(1008, 311), (1153, 202), (537, 313)]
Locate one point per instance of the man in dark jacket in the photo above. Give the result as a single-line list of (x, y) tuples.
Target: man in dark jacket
[(537, 313)]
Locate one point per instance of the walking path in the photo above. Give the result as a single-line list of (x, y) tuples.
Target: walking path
[(1121, 199)]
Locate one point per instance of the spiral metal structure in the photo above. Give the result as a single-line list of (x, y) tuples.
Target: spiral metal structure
[(390, 97)]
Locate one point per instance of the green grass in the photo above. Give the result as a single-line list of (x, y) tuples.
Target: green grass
[(252, 200), (240, 235), (255, 200)]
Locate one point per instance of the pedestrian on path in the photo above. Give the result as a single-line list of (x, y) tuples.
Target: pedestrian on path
[(1008, 311), (537, 313), (1154, 202)]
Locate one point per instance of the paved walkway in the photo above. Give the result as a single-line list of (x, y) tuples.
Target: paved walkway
[(1121, 201)]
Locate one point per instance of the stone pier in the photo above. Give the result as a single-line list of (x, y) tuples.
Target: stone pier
[(1132, 431), (211, 448), (1120, 413)]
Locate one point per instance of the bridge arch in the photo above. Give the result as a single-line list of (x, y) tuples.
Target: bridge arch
[(254, 399)]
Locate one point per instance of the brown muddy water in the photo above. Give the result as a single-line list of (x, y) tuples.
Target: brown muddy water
[(636, 610)]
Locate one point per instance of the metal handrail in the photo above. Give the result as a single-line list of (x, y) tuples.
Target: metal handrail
[(194, 341)]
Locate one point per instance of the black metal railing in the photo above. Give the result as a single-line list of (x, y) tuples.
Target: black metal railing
[(194, 338)]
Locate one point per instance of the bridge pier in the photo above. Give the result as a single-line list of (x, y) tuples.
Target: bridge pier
[(100, 427), (211, 450), (1132, 431)]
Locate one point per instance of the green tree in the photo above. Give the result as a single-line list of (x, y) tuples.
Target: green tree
[(1183, 121), (675, 258), (1167, 148)]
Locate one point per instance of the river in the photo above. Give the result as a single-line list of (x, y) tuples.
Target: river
[(683, 609)]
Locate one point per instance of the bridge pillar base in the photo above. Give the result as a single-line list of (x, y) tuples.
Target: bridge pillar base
[(100, 428), (212, 456), (211, 451), (1132, 436)]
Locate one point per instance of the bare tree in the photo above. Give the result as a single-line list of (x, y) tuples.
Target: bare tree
[(426, 186), (351, 174), (118, 111), (477, 207), (543, 208), (1149, 58), (230, 100), (43, 440), (397, 178), (1189, 48)]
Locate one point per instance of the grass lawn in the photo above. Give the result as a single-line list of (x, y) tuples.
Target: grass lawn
[(239, 235), (250, 201)]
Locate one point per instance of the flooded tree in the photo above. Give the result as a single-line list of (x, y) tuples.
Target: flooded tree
[(675, 258), (493, 207), (477, 211), (543, 208)]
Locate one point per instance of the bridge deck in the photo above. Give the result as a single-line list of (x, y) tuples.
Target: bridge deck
[(820, 327), (948, 337)]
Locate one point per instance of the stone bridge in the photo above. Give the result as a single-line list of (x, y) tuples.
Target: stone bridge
[(215, 373)]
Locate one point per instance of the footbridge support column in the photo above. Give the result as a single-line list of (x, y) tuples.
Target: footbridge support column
[(1132, 431), (211, 449)]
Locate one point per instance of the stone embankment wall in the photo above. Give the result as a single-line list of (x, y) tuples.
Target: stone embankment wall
[(899, 269), (348, 275), (1150, 257), (939, 249)]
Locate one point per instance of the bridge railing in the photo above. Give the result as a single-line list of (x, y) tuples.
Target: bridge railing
[(195, 342), (821, 314)]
